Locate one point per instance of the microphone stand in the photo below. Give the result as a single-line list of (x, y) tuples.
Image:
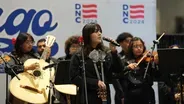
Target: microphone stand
[(152, 49), (8, 68), (50, 87), (84, 73), (51, 83)]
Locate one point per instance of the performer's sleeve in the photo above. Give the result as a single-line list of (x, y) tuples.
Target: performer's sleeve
[(75, 70), (92, 83), (116, 65), (156, 73), (119, 68), (164, 88), (12, 65), (118, 88)]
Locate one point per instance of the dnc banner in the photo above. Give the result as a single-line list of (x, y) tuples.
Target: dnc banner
[(63, 18)]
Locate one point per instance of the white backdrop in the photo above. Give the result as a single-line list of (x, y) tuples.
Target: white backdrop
[(63, 18)]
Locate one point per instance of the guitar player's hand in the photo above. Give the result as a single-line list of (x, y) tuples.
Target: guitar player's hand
[(32, 67), (101, 85), (48, 52)]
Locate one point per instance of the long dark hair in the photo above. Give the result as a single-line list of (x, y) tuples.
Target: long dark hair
[(130, 54), (87, 30), (21, 38)]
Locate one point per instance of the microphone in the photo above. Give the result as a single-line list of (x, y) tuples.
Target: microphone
[(50, 66), (111, 41)]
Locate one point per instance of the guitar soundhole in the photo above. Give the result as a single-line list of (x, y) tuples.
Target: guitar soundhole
[(36, 73)]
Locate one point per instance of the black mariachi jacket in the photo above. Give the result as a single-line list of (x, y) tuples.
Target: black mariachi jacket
[(119, 82), (129, 75), (16, 63), (112, 64)]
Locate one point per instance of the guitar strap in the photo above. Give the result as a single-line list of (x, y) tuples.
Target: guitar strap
[(98, 56), (102, 78), (102, 70), (98, 76), (96, 70)]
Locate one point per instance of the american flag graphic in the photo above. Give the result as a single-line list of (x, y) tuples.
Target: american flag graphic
[(137, 11), (89, 11)]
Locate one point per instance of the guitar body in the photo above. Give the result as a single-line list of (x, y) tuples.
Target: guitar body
[(30, 88), (103, 95)]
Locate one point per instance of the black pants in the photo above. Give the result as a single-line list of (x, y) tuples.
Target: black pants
[(140, 95)]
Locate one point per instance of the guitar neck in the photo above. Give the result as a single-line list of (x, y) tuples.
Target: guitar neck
[(44, 54)]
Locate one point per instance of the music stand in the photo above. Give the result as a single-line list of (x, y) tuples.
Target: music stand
[(62, 77), (171, 62), (62, 73)]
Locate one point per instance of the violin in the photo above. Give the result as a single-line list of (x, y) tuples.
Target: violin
[(147, 57)]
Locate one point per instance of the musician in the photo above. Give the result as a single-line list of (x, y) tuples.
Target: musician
[(71, 47), (94, 53), (23, 50), (138, 90), (41, 47), (168, 88), (166, 92), (175, 88), (123, 39)]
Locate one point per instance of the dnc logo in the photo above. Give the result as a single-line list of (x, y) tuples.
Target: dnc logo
[(85, 13), (133, 14)]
